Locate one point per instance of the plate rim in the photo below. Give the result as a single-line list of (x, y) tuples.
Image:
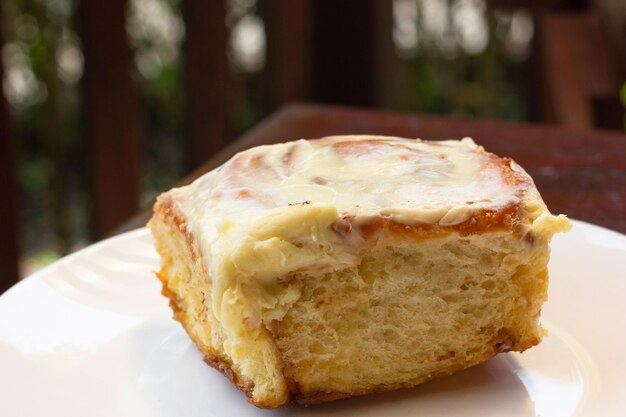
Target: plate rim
[(69, 257)]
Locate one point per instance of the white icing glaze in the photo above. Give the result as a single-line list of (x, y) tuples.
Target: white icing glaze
[(410, 180), (278, 208)]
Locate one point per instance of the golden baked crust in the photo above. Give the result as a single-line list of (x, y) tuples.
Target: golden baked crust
[(246, 314)]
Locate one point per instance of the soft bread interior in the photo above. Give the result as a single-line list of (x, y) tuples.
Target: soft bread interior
[(406, 314)]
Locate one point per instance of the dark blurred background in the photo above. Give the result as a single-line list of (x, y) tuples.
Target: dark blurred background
[(108, 103)]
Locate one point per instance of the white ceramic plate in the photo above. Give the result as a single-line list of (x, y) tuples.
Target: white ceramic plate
[(91, 336)]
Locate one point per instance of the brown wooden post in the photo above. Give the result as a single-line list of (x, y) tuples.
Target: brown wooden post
[(577, 67), (207, 79), (393, 74), (343, 51), (114, 127), (288, 26), (8, 208)]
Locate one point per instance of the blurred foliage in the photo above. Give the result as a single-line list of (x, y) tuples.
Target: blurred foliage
[(623, 99), (466, 86), (43, 67), (246, 52), (156, 32), (43, 64), (464, 58)]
